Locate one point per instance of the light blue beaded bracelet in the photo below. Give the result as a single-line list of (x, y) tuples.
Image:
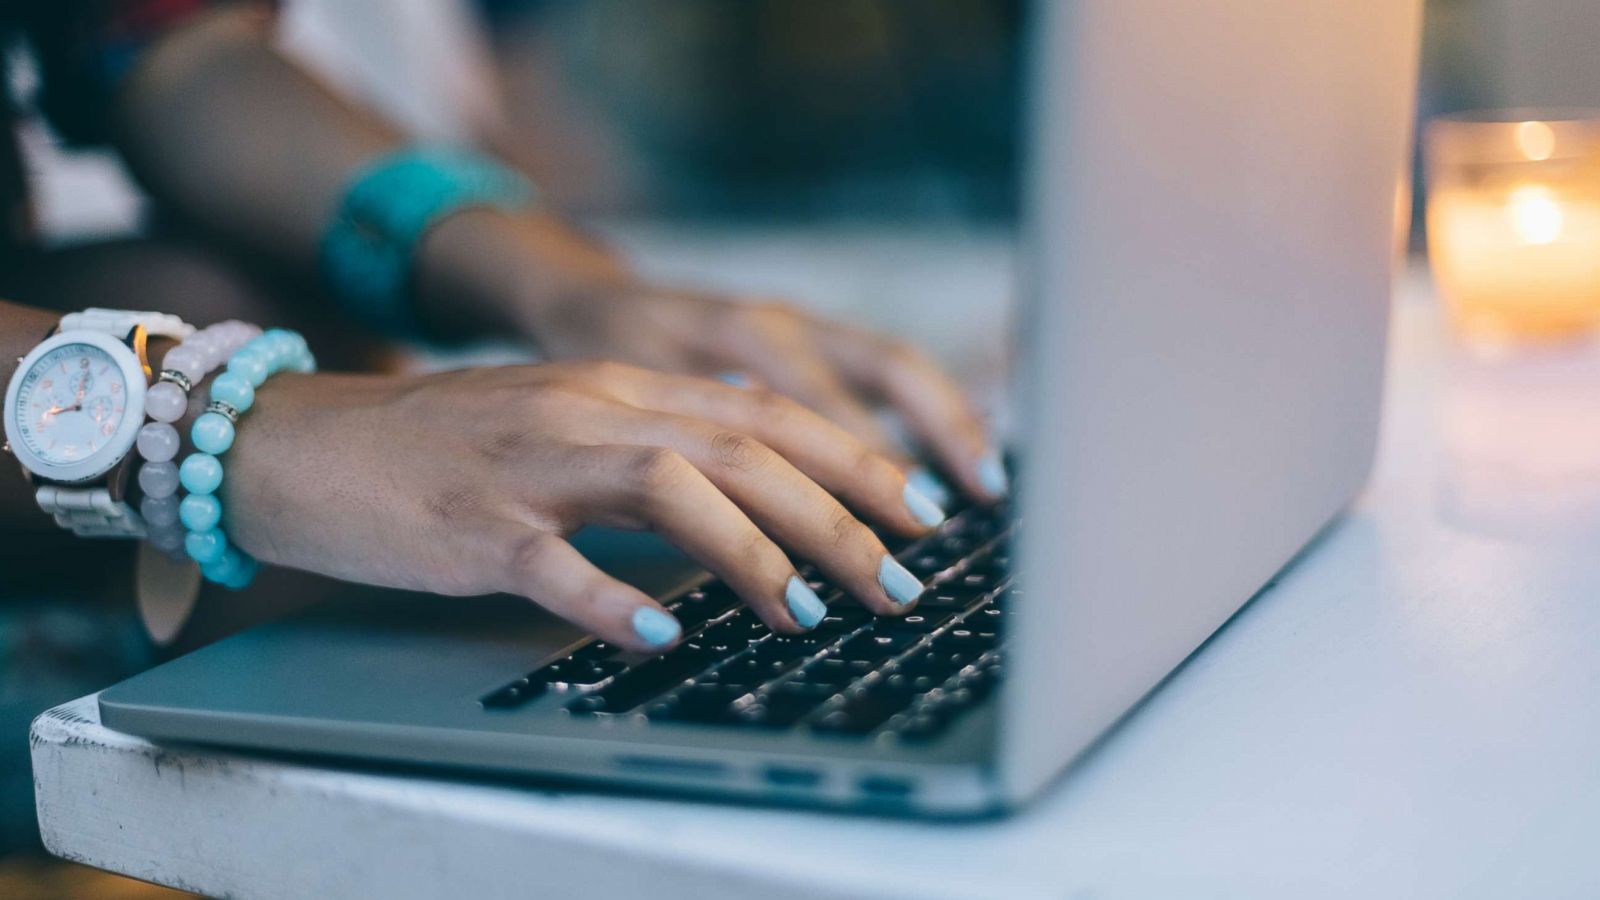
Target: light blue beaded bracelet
[(232, 394)]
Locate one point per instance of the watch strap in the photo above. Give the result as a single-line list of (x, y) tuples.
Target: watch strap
[(90, 512), (118, 322)]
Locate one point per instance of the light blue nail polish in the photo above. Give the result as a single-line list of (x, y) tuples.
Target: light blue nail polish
[(737, 379), (898, 581), (804, 604), (931, 485), (924, 509), (655, 627), (992, 474)]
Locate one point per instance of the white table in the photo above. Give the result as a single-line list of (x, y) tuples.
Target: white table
[(1411, 713)]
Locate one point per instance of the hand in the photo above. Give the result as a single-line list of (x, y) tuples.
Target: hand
[(470, 482), (578, 301)]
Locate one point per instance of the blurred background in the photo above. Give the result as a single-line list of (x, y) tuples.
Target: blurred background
[(771, 111), (702, 134)]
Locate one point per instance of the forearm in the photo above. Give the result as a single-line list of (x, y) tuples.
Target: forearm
[(234, 135), (242, 140)]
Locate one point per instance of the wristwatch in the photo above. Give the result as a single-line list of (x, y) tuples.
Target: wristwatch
[(73, 410)]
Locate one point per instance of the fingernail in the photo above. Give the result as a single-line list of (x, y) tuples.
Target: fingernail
[(804, 604), (898, 581), (737, 379), (922, 507), (992, 474), (930, 485), (655, 627)]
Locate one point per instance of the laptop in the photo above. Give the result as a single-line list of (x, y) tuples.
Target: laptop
[(1208, 243)]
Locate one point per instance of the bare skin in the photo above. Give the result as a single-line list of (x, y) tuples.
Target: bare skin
[(234, 135), (515, 459), (332, 475), (21, 328), (471, 482)]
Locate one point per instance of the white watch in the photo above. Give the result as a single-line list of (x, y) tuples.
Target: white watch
[(73, 410)]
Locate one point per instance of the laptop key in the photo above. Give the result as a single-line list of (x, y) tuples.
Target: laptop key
[(755, 671), (700, 703), (876, 646), (921, 727), (740, 629), (649, 680), (843, 620), (865, 711), (948, 598), (595, 650), (834, 671), (917, 622), (985, 618), (578, 672), (919, 684), (693, 615), (936, 664), (964, 639), (744, 680), (797, 646), (925, 565), (953, 545), (513, 695), (788, 703)]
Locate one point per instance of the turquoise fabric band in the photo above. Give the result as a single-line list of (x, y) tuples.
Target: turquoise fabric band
[(390, 204)]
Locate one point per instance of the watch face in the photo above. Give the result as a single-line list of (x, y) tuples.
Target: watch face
[(71, 403)]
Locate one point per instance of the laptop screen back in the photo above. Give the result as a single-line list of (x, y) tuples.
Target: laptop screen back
[(1209, 245)]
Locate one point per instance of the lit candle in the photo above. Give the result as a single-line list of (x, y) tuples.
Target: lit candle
[(1514, 224)]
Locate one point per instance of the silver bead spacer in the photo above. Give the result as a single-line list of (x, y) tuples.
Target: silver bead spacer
[(177, 378), (224, 410)]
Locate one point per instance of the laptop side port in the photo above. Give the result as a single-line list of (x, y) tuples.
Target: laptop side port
[(681, 768), (784, 777), (886, 787)]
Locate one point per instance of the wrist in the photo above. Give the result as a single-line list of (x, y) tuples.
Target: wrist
[(284, 463), (485, 271)]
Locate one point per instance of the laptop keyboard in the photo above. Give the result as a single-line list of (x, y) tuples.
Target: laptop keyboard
[(854, 675)]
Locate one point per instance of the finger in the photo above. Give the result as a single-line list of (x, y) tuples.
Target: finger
[(775, 345), (552, 573), (654, 487), (936, 410), (792, 508), (836, 460)]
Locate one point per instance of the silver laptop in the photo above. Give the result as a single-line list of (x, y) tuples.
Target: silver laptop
[(1210, 207)]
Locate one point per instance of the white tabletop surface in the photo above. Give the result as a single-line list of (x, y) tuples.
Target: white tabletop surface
[(1410, 713)]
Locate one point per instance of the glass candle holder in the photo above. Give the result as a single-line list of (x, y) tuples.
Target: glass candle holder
[(1514, 222)]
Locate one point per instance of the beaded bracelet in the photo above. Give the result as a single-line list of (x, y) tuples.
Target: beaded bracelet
[(165, 403), (232, 394)]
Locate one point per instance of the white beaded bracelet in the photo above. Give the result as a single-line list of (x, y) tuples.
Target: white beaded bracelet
[(184, 366)]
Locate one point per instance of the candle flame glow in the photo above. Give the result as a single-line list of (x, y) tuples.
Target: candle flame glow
[(1536, 140), (1536, 215)]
